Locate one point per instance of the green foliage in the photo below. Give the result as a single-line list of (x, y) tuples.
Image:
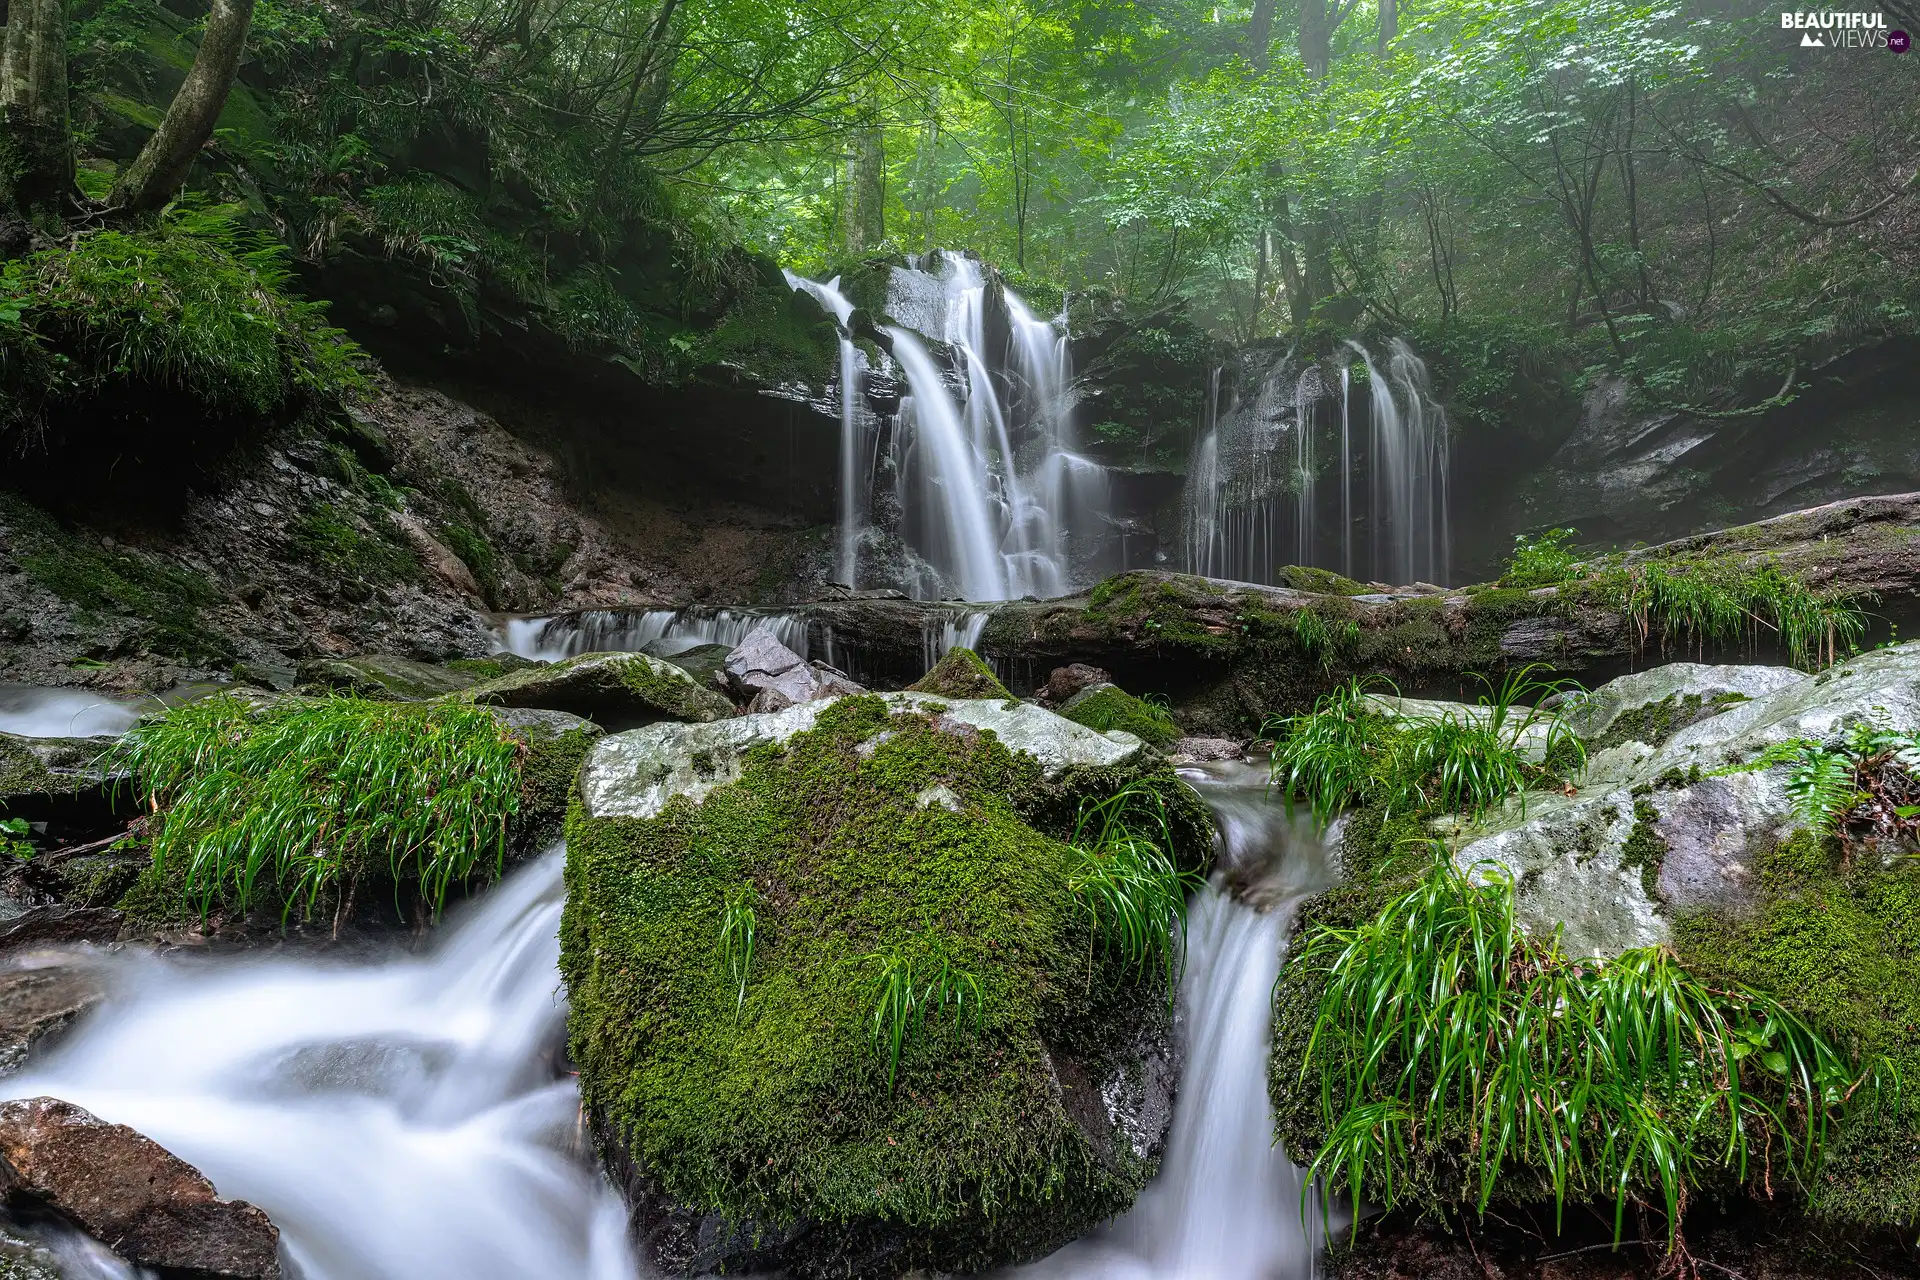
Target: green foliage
[(1826, 784), (1323, 640), (738, 924), (903, 996), (1445, 1033), (14, 844), (1727, 601), (195, 305), (369, 551), (298, 798), (1349, 750), (1543, 561), (1125, 875)]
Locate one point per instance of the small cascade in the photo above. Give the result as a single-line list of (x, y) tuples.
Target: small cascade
[(1227, 1203), (1248, 515), (657, 631), (992, 489), (33, 712), (959, 630), (409, 1119)]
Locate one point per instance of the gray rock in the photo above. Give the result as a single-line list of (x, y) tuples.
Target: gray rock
[(126, 1191), (706, 663), (635, 774), (1652, 705), (615, 690), (59, 926), (383, 675), (1205, 750), (770, 677), (39, 1002), (1066, 681), (1576, 860)]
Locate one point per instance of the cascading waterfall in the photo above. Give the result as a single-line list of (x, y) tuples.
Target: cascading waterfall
[(1227, 1203), (992, 487), (846, 542), (404, 1120), (658, 631), (1246, 519)]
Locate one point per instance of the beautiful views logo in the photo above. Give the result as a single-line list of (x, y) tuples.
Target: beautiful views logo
[(1828, 29)]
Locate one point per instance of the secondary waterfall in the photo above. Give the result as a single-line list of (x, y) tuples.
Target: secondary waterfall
[(992, 490), (1248, 515), (1227, 1202), (402, 1120)]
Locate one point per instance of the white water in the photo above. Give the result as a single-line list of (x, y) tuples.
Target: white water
[(399, 1120), (846, 541), (1227, 1202), (631, 630), (1248, 514), (34, 712)]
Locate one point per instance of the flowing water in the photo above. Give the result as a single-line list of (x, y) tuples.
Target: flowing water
[(406, 1118), (659, 631), (401, 1120), (1227, 1203), (34, 712)]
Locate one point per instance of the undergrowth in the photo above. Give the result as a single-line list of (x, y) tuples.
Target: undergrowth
[(1699, 603), (1542, 561), (1864, 788), (1447, 1035), (1125, 875), (1351, 750), (195, 304), (299, 798)]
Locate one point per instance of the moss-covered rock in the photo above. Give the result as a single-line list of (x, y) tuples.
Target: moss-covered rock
[(1108, 706), (743, 1101), (615, 690), (961, 674), (384, 676)]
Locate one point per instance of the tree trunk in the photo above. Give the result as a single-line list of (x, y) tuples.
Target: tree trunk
[(1389, 24), (36, 143), (863, 193), (1260, 34), (163, 164), (1316, 37)]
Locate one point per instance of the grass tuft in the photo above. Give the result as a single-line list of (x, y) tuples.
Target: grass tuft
[(904, 992), (1446, 1033), (301, 797), (1127, 880), (738, 928)]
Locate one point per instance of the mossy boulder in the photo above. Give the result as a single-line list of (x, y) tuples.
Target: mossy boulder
[(43, 767), (384, 676), (1108, 706), (743, 1102), (961, 674), (615, 690)]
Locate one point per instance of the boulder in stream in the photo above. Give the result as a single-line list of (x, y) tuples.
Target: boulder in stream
[(614, 690), (131, 1194), (961, 674), (768, 676), (744, 1093)]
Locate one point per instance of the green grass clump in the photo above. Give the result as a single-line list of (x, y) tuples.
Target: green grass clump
[(1447, 1035), (1349, 751), (1126, 876), (299, 798), (194, 304), (355, 551), (1725, 601), (1115, 708), (1542, 561), (937, 1110)]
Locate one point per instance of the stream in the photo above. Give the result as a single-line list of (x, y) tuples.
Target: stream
[(408, 1117)]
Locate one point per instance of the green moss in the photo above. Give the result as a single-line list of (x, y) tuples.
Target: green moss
[(782, 1114), (548, 770), (478, 555), (616, 685), (961, 674), (1645, 849), (1324, 581), (1840, 944), (1115, 708), (118, 581), (359, 551)]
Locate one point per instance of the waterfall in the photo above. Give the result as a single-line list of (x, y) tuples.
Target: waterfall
[(992, 487), (63, 713), (1248, 513), (657, 631), (1227, 1203), (400, 1120), (851, 517)]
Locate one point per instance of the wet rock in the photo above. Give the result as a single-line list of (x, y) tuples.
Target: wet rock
[(1651, 706), (38, 1003), (706, 663), (52, 766), (634, 774), (961, 674), (131, 1194), (615, 690), (1205, 750), (382, 675), (1654, 831), (1066, 681), (59, 926), (770, 677)]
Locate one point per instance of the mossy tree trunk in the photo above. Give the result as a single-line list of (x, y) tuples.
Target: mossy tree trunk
[(864, 192), (164, 163), (36, 142)]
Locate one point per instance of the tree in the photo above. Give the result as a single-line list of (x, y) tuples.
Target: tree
[(36, 140), (165, 161)]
